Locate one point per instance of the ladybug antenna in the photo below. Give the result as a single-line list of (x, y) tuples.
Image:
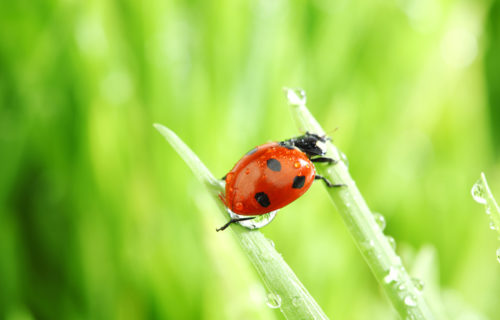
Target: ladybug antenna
[(329, 133)]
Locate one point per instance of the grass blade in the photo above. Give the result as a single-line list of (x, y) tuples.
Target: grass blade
[(285, 288), (370, 239)]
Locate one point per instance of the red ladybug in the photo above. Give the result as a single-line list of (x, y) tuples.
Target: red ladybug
[(272, 175)]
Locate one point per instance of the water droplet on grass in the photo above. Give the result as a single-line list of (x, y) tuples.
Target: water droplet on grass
[(271, 242), (258, 222), (419, 284), (392, 242), (410, 301), (296, 96), (478, 192), (344, 159), (273, 300), (379, 218), (296, 301), (393, 275)]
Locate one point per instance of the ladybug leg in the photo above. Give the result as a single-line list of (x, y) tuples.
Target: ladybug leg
[(222, 198), (233, 221), (327, 182), (324, 159)]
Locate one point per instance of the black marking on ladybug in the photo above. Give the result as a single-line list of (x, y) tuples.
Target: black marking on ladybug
[(252, 151), (262, 199), (298, 182), (274, 164), (307, 143)]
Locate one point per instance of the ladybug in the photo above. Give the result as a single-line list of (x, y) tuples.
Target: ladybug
[(272, 175)]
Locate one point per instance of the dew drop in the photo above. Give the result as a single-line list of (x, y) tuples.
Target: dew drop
[(273, 300), (393, 275), (296, 96), (392, 242), (266, 255), (344, 159), (257, 222), (271, 242), (396, 260), (239, 206), (296, 301), (419, 284), (296, 164), (488, 210), (410, 316), (498, 255), (229, 177), (402, 287), (247, 171), (478, 192), (492, 226), (369, 244), (410, 301), (379, 218)]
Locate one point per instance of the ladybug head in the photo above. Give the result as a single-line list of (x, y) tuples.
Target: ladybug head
[(310, 143)]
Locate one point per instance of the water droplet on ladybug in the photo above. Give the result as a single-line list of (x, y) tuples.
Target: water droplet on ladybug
[(247, 171), (229, 177), (296, 164), (238, 206)]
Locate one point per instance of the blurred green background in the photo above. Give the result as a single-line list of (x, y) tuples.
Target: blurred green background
[(100, 219)]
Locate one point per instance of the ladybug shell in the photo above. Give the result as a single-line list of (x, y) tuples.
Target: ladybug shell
[(268, 178)]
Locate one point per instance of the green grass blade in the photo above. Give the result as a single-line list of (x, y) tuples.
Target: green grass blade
[(191, 159), (370, 239), (285, 288), (482, 194)]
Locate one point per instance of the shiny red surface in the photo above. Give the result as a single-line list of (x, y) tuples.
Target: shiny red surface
[(251, 175)]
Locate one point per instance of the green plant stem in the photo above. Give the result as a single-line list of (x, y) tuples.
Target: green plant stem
[(482, 194), (370, 239), (285, 288)]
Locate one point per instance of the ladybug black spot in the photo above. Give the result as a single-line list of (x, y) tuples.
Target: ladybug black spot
[(274, 164), (298, 182), (262, 199), (251, 151)]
